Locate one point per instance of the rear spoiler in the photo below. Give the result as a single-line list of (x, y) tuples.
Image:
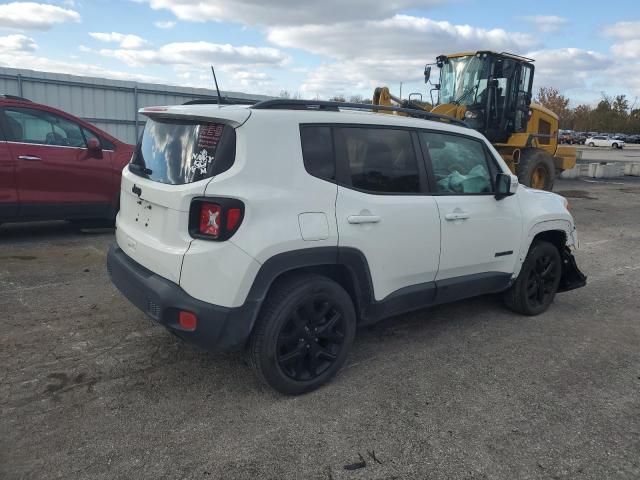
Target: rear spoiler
[(232, 116)]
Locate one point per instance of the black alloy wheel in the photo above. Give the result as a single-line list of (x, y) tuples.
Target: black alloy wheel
[(538, 281), (542, 281), (303, 334), (311, 339)]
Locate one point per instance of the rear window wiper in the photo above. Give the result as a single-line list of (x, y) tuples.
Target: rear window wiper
[(139, 169)]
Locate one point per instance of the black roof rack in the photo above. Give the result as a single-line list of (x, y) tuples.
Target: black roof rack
[(223, 101), (14, 97), (322, 105)]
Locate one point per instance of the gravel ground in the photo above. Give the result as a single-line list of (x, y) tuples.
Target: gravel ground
[(89, 388)]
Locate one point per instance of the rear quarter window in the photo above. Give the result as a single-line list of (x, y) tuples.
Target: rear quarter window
[(317, 151)]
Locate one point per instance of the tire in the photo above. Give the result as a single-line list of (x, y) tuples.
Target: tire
[(303, 334), (538, 281), (614, 145), (591, 144), (536, 169)]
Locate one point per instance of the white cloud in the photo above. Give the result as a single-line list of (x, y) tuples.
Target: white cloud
[(244, 79), (628, 35), (17, 51), (166, 24), (546, 23), (396, 50), (401, 36), (17, 44), (623, 30), (199, 53), (34, 16), (126, 41), (629, 49), (567, 68), (285, 12)]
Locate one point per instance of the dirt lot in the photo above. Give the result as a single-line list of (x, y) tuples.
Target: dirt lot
[(91, 389)]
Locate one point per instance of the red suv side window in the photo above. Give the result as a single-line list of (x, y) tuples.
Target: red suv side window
[(33, 126)]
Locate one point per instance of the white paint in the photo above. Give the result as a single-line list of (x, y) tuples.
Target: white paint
[(406, 239)]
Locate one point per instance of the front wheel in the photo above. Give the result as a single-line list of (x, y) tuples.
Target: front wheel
[(303, 335), (536, 169), (591, 144), (614, 145), (538, 281)]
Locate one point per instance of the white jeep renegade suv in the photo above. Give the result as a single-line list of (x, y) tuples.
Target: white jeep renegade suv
[(281, 227)]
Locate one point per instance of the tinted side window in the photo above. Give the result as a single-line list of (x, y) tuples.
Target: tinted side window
[(459, 164), (317, 151), (380, 159), (35, 126)]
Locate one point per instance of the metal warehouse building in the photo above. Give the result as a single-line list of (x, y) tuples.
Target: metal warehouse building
[(111, 105)]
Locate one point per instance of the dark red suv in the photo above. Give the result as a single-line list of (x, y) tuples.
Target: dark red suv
[(54, 166)]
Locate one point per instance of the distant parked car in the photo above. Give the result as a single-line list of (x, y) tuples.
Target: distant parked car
[(581, 138), (54, 166), (633, 139), (604, 141)]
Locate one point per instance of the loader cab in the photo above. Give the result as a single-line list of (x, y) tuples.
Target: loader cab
[(490, 91)]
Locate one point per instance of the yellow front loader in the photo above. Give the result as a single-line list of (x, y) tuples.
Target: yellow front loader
[(491, 92)]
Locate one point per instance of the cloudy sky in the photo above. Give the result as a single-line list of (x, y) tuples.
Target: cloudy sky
[(322, 48)]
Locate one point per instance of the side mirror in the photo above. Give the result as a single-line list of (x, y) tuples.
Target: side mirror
[(506, 185), (94, 148), (427, 73), (93, 145)]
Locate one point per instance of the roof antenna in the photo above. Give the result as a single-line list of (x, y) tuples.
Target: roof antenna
[(216, 82)]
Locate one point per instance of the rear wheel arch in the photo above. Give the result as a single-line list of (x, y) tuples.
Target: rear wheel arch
[(347, 267)]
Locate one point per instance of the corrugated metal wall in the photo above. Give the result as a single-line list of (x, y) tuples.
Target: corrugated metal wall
[(111, 105)]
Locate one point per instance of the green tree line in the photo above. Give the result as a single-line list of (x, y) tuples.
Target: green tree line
[(611, 114)]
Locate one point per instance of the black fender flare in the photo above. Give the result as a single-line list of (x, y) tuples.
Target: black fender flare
[(352, 259)]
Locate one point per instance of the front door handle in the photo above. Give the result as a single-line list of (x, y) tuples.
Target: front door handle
[(456, 216), (30, 158), (359, 219)]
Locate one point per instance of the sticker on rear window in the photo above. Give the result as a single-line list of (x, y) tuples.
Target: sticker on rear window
[(208, 138)]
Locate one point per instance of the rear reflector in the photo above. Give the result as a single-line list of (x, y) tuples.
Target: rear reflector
[(210, 219), (188, 320), (233, 218)]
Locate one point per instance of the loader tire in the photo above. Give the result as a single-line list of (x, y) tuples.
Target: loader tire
[(536, 169)]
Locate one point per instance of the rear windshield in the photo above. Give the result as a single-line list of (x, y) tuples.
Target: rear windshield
[(178, 152)]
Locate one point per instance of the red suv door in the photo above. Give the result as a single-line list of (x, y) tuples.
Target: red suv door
[(57, 176)]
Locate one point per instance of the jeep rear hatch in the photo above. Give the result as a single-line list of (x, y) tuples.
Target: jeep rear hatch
[(176, 157)]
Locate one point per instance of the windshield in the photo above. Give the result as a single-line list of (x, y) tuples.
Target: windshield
[(177, 152), (463, 80)]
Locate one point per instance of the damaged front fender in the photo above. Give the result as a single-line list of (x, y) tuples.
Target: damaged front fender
[(571, 277)]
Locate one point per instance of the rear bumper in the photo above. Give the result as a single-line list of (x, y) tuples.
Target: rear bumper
[(218, 328)]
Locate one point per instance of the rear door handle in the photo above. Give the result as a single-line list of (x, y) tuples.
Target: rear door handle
[(30, 158), (456, 216), (358, 219)]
